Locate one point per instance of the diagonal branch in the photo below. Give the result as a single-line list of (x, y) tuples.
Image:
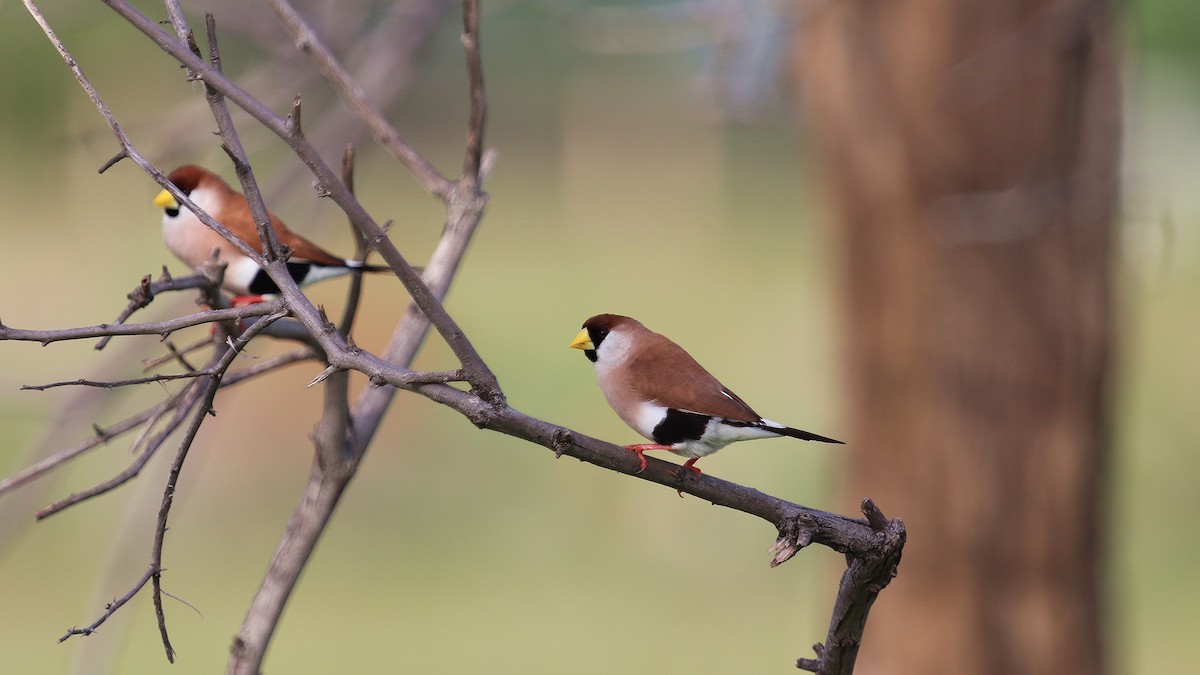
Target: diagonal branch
[(477, 122), (306, 40)]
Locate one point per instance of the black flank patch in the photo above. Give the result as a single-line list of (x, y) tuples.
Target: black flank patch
[(299, 270), (679, 426), (262, 284)]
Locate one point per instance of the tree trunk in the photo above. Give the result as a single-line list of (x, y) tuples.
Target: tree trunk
[(972, 154)]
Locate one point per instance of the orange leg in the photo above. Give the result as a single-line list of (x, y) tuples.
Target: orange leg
[(690, 465), (639, 449), (239, 301)]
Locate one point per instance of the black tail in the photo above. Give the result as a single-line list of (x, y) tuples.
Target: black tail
[(377, 268), (801, 434), (355, 265)]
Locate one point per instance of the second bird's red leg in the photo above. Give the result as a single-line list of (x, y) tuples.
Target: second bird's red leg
[(642, 448), (245, 300)]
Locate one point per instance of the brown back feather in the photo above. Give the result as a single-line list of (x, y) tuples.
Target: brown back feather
[(662, 371)]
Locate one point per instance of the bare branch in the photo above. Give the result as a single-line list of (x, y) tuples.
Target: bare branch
[(272, 249), (109, 609), (478, 117), (144, 294), (361, 251), (181, 407), (206, 391), (268, 365), (106, 434), (198, 417), (102, 436), (175, 354), (867, 573), (162, 328), (116, 383), (382, 131)]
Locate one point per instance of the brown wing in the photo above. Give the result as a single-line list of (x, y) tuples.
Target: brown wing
[(663, 372), (237, 217)]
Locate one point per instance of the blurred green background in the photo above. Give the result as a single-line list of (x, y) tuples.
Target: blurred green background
[(635, 175)]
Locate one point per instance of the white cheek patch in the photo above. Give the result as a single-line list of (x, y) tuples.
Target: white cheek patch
[(184, 234), (613, 350)]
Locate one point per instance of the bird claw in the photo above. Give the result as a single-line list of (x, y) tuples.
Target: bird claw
[(690, 465), (679, 474), (641, 449), (641, 457)]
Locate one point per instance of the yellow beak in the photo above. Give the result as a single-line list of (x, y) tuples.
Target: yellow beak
[(166, 201), (582, 341)]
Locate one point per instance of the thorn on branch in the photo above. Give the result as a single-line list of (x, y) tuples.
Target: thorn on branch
[(322, 376), (292, 123), (348, 170), (115, 158), (874, 516), (813, 665), (100, 433), (239, 167), (327, 326)]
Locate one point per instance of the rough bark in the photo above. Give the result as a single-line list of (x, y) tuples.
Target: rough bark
[(971, 147)]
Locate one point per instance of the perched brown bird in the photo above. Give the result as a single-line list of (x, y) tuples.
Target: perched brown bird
[(193, 242), (663, 394)]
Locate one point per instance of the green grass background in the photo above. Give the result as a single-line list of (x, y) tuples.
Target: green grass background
[(457, 550)]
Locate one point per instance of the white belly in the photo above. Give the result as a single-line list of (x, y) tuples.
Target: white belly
[(717, 435)]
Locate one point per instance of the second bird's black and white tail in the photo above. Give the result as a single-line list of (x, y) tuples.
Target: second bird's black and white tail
[(803, 435)]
